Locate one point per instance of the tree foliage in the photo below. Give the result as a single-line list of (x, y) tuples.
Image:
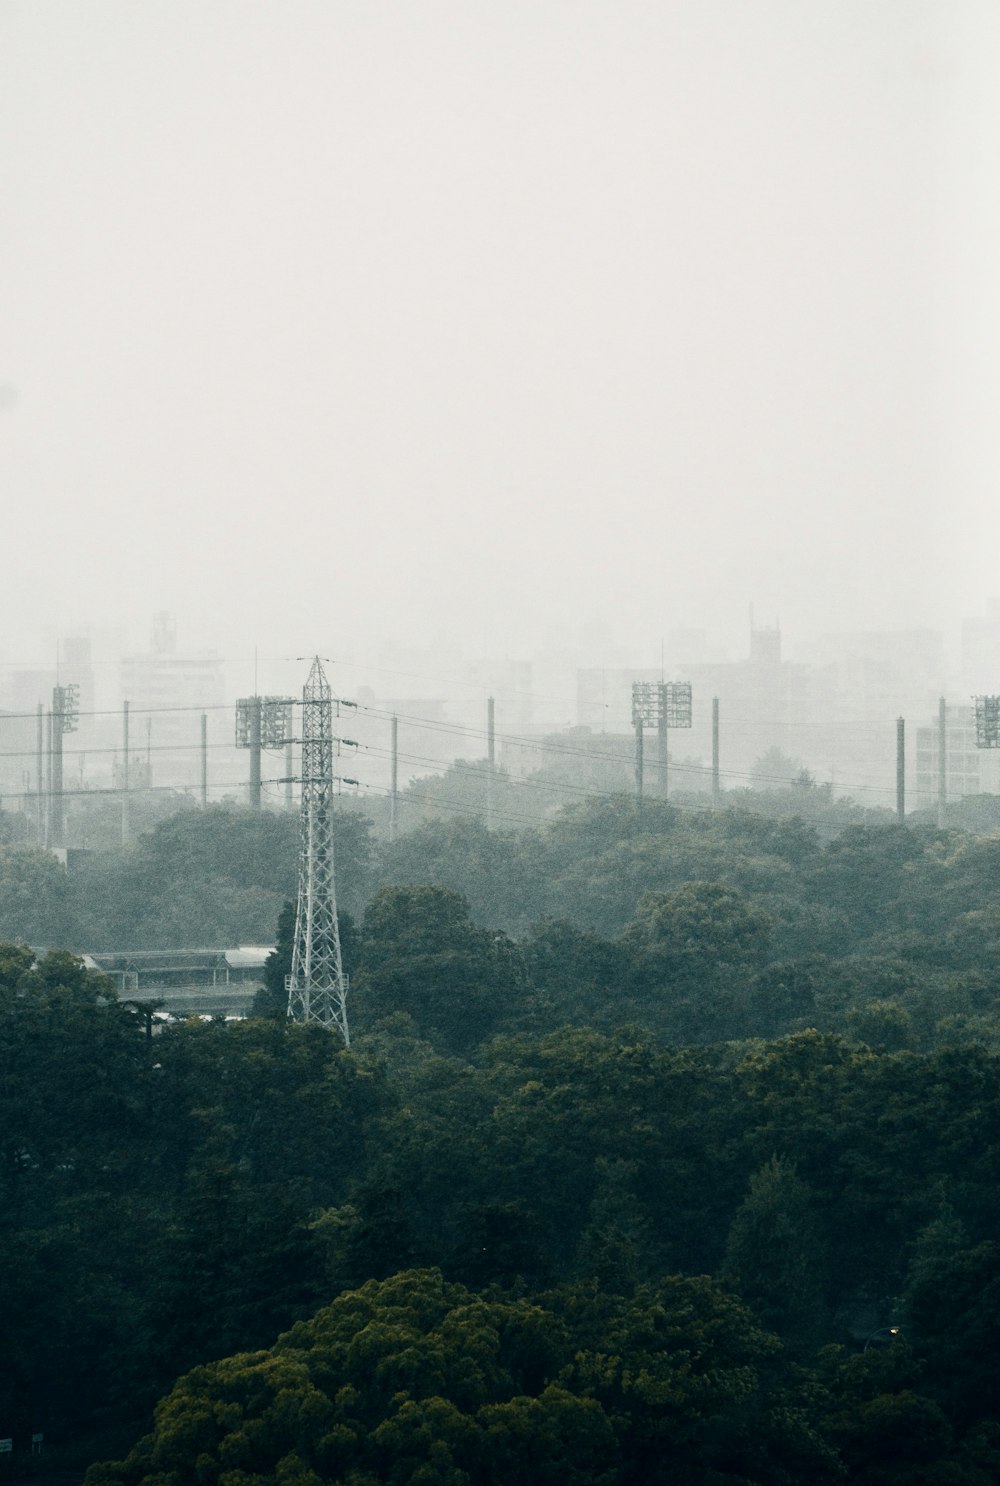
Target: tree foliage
[(594, 1062), (415, 1379)]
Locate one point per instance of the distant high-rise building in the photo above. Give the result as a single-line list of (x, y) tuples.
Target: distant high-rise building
[(765, 646), (765, 703), (981, 651), (76, 669), (167, 691), (969, 770)]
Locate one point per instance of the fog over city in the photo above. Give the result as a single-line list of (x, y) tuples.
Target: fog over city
[(498, 327), (499, 742)]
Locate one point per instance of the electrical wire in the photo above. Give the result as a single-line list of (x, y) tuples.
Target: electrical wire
[(548, 746)]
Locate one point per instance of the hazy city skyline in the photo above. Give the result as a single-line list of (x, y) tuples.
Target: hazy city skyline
[(343, 326)]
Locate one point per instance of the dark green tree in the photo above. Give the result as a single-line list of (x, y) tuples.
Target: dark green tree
[(415, 1380), (34, 897), (421, 953), (776, 1255), (698, 948)]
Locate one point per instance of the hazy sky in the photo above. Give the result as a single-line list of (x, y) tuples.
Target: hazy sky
[(327, 323)]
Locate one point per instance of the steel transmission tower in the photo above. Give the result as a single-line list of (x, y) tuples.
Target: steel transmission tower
[(317, 986)]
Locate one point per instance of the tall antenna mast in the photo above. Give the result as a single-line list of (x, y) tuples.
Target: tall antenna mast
[(317, 985)]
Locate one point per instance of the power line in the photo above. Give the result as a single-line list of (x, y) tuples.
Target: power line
[(548, 746), (481, 770), (596, 756), (545, 747)]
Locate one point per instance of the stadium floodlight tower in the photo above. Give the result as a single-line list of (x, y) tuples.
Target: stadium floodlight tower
[(317, 985), (663, 705), (987, 722), (261, 722)]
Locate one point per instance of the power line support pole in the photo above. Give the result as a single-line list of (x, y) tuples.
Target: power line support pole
[(125, 796), (490, 759), (942, 763), (637, 720), (254, 792), (40, 776), (662, 756), (317, 986), (48, 779), (57, 830), (900, 770), (394, 780), (716, 786), (204, 761)]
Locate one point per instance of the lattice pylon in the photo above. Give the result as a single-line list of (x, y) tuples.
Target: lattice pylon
[(317, 985)]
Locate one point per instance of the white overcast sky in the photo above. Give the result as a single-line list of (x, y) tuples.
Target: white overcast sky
[(329, 322)]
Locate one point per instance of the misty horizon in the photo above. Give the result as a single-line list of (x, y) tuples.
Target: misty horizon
[(348, 328)]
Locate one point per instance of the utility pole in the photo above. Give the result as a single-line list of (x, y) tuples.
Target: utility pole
[(64, 719), (716, 787), (125, 797), (254, 790), (204, 761), (394, 779), (637, 724), (942, 763), (289, 764), (661, 748), (900, 770), (490, 760), (56, 805), (48, 778), (317, 986), (39, 776), (248, 731)]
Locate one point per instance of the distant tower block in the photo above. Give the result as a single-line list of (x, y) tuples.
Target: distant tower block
[(317, 985)]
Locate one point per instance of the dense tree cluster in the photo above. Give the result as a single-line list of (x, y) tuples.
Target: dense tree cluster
[(698, 925), (666, 1149), (414, 1379)]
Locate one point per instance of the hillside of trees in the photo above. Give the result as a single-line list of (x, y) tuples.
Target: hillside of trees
[(666, 1149)]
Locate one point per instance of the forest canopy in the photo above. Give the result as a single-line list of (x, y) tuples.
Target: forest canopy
[(664, 1143)]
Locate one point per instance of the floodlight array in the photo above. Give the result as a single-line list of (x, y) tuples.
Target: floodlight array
[(987, 722), (275, 721), (654, 702), (66, 707), (676, 703), (646, 703)]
